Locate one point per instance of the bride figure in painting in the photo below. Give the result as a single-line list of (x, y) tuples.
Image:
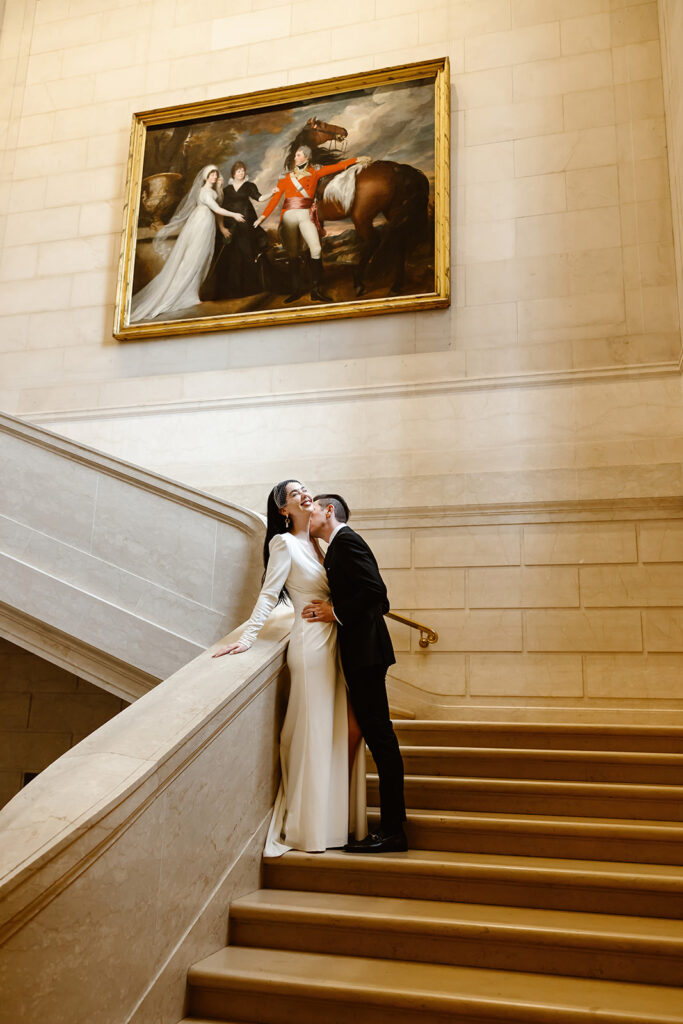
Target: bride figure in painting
[(177, 284), (322, 793)]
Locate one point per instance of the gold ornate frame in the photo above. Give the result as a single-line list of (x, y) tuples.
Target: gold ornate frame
[(253, 101)]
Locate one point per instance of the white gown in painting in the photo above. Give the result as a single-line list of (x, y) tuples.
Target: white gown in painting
[(177, 284), (316, 807)]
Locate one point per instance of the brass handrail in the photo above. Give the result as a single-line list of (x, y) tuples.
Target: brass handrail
[(427, 634)]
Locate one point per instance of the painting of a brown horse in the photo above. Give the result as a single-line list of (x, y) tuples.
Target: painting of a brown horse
[(399, 191)]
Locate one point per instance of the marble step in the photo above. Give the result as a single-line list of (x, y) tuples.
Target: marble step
[(633, 767), (272, 986), (641, 890), (546, 736), (531, 796), (647, 950), (539, 835)]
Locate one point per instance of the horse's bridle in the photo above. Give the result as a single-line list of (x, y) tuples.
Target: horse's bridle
[(334, 141)]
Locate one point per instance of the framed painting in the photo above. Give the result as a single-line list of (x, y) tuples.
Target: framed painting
[(323, 200)]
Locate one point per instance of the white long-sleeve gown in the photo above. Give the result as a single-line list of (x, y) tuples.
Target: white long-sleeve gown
[(316, 805), (177, 284)]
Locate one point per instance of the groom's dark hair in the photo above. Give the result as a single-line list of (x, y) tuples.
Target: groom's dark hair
[(342, 511)]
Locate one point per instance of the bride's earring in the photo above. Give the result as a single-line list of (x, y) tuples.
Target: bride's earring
[(287, 522)]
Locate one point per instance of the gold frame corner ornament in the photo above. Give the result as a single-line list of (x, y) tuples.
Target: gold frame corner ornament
[(438, 69)]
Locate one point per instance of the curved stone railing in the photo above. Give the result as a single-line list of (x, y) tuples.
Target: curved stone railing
[(114, 572), (118, 862)]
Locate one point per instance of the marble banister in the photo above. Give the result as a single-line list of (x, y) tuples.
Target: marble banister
[(118, 862), (116, 572)]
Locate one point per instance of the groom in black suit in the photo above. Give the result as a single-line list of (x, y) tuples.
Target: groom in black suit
[(359, 603)]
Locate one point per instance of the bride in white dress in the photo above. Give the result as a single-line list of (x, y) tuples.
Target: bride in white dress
[(177, 284), (320, 800)]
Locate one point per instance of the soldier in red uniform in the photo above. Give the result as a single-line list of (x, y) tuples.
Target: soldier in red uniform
[(297, 217)]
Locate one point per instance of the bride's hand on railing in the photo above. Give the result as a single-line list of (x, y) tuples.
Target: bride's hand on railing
[(230, 649)]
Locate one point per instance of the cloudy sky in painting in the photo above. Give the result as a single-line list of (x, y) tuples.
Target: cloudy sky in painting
[(389, 123), (394, 122)]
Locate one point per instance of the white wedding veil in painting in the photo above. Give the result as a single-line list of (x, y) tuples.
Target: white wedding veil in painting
[(185, 207)]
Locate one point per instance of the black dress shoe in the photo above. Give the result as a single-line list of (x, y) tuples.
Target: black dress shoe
[(319, 296), (377, 842)]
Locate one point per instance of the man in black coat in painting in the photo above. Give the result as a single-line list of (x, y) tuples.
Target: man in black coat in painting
[(358, 605)]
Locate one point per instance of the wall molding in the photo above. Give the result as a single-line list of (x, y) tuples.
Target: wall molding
[(575, 510), (551, 378)]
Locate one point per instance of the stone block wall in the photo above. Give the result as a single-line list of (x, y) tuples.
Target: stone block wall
[(554, 374), (561, 211), (561, 613), (44, 712), (671, 31)]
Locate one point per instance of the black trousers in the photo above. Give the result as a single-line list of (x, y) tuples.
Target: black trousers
[(368, 696)]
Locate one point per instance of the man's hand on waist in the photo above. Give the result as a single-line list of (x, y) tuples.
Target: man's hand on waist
[(319, 611)]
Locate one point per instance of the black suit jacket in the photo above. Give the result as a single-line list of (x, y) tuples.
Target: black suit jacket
[(360, 602)]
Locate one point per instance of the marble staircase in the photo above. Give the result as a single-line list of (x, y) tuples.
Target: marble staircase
[(92, 575), (544, 885)]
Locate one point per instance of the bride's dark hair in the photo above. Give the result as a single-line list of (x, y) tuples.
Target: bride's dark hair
[(275, 523)]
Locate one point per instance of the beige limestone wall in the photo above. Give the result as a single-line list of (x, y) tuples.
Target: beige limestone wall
[(400, 434), (671, 26), (45, 711), (562, 257), (571, 613), (561, 240)]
